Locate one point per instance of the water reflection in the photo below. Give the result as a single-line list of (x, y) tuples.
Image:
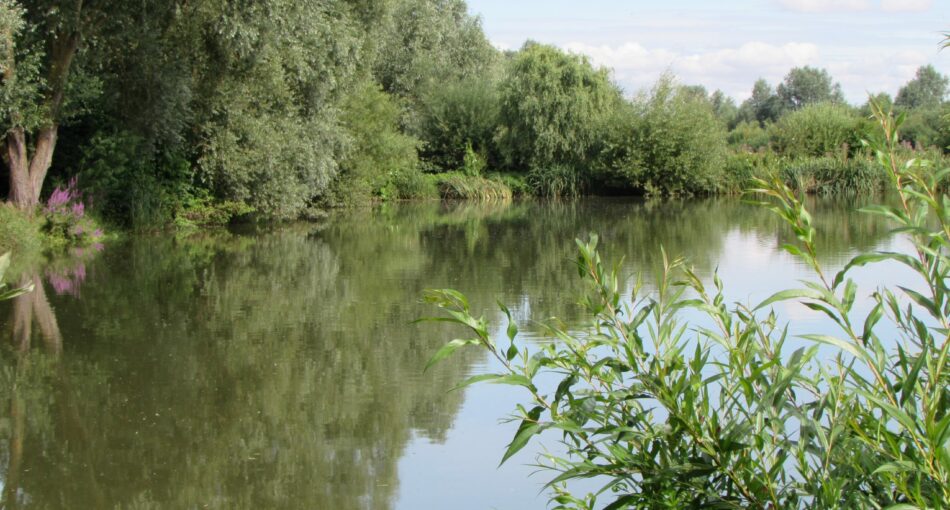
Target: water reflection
[(281, 369)]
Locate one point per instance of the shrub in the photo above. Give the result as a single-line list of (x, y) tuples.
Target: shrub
[(677, 145), (749, 136), (18, 232), (454, 185), (718, 413), (65, 222), (834, 176), (458, 117), (202, 211), (739, 169), (817, 130), (131, 184)]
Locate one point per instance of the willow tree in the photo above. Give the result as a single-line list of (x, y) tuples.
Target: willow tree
[(552, 107)]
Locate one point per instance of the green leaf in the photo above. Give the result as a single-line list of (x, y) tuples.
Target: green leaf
[(448, 349), (528, 428), (839, 343), (785, 295), (899, 466), (621, 502), (475, 379)]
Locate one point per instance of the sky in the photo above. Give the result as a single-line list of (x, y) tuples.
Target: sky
[(868, 46)]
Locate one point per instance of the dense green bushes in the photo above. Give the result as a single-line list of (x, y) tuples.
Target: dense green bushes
[(817, 130), (18, 232), (677, 144)]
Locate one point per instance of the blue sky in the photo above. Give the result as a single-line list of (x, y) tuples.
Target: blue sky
[(866, 45)]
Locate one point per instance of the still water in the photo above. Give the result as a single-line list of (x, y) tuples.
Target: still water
[(281, 369)]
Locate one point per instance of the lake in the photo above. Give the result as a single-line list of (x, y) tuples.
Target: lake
[(281, 368)]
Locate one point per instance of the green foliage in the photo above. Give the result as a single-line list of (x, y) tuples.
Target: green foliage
[(555, 181), (131, 185), (762, 107), (455, 185), (424, 44), (456, 117), (273, 138), (749, 136), (803, 86), (927, 127), (203, 211), (553, 108), (928, 89), (716, 412), (18, 232), (676, 143), (380, 154), (5, 293), (833, 176), (817, 130), (741, 168)]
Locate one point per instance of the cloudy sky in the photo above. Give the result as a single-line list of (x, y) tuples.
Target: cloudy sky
[(866, 45)]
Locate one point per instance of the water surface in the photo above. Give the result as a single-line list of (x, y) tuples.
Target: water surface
[(281, 369)]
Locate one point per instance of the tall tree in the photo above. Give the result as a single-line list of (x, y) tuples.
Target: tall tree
[(552, 105), (763, 106), (928, 89), (807, 85)]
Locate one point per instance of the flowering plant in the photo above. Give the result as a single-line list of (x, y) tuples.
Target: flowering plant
[(66, 221)]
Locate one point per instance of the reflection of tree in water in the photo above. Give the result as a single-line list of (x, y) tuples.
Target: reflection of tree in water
[(281, 370), (249, 373)]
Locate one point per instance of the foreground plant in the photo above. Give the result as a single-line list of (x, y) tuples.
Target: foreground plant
[(9, 293), (716, 412)]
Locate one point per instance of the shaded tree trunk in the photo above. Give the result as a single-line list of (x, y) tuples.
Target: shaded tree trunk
[(28, 166)]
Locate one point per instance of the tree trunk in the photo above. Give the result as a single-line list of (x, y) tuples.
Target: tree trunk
[(22, 193)]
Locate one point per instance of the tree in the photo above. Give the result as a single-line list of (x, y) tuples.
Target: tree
[(928, 89), (39, 87), (762, 107), (725, 108), (552, 105), (807, 85), (422, 43)]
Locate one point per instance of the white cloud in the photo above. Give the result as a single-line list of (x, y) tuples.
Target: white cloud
[(734, 70), (827, 5), (906, 5)]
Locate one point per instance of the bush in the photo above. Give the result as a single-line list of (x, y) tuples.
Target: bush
[(18, 232), (749, 136), (817, 130), (457, 117), (677, 145), (202, 211), (382, 162), (834, 176), (718, 413), (65, 222), (132, 185), (455, 185), (739, 169)]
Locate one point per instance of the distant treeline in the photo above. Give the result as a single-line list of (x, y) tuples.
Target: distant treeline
[(194, 112)]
